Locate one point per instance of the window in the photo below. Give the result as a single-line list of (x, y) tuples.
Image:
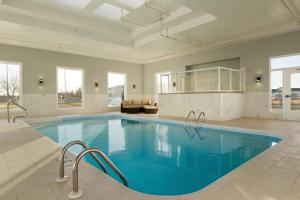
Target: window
[(111, 12), (276, 89), (165, 83), (116, 88), (162, 82), (69, 87), (285, 62), (10, 84)]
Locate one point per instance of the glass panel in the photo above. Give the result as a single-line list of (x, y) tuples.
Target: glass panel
[(236, 81), (69, 88), (116, 83), (207, 80), (285, 62), (295, 91), (225, 79), (200, 80), (9, 84), (276, 86), (190, 82)]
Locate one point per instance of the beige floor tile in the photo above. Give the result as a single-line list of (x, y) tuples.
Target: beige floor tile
[(6, 186), (38, 193), (274, 175)]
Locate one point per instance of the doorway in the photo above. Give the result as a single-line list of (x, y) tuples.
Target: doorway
[(285, 86)]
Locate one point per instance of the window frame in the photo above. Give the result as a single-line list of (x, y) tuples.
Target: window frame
[(125, 87), (21, 82), (83, 88)]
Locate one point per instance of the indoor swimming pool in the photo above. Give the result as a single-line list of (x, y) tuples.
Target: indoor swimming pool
[(160, 157)]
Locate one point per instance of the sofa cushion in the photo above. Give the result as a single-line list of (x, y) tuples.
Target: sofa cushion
[(149, 107), (145, 102), (132, 106), (136, 102), (152, 103), (127, 102)]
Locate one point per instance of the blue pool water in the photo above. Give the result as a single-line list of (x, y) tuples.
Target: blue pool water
[(161, 158)]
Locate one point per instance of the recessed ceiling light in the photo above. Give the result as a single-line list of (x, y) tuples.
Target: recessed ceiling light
[(79, 4), (133, 3), (111, 12)]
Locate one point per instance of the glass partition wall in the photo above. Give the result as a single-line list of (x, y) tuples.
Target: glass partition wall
[(216, 79)]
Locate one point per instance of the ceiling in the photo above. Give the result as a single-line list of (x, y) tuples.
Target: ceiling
[(142, 31)]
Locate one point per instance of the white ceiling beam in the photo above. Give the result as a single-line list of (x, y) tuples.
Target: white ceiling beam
[(176, 28), (31, 14), (172, 16), (60, 28), (91, 7), (291, 6), (76, 18), (249, 36)]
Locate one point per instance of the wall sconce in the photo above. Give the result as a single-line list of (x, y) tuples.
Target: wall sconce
[(133, 86), (96, 84), (258, 78), (174, 84), (41, 82)]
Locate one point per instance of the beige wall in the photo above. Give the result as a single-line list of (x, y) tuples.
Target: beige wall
[(254, 56), (40, 63)]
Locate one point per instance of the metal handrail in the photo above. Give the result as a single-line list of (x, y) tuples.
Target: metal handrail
[(62, 177), (75, 193), (191, 112), (8, 112), (201, 113)]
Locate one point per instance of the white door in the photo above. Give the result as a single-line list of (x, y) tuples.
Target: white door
[(292, 94)]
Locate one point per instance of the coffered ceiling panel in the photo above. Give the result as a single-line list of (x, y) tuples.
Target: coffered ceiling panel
[(142, 30)]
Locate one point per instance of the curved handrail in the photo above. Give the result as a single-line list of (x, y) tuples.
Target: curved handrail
[(62, 176), (202, 113), (8, 112), (75, 193), (191, 112)]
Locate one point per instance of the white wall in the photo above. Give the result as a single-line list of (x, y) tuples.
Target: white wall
[(254, 57), (40, 63), (217, 106)]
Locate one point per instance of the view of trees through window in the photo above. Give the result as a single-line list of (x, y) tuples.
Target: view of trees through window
[(69, 87), (9, 83), (116, 84), (277, 89)]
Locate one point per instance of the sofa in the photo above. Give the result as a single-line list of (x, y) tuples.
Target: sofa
[(136, 106)]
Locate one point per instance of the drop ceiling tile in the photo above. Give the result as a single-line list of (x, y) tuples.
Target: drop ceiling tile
[(78, 4), (133, 3), (111, 12)]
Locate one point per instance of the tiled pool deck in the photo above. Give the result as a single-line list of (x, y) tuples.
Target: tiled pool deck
[(29, 166)]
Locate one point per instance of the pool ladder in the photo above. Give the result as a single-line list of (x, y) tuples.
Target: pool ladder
[(8, 111), (196, 121), (76, 193), (187, 118)]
